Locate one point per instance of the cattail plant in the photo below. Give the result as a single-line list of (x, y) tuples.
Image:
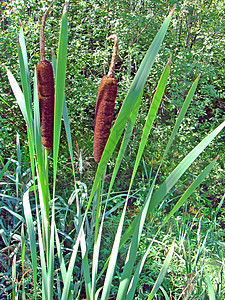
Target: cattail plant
[(105, 105), (45, 81), (45, 240)]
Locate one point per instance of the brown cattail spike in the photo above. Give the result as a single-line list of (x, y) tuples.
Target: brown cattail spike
[(105, 106), (45, 80)]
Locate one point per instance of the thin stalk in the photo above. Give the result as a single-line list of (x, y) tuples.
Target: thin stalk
[(47, 229)]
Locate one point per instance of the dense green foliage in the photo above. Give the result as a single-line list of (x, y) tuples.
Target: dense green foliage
[(196, 41)]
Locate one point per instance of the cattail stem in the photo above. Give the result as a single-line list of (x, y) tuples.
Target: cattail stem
[(114, 55), (42, 33)]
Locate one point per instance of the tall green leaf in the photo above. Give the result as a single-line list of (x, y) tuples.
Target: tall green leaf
[(162, 272), (60, 86), (131, 256)]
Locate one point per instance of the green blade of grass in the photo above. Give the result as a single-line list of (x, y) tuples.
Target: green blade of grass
[(211, 291), (5, 168), (23, 256), (162, 272), (218, 208), (200, 250), (67, 282), (18, 216), (164, 293), (60, 256), (86, 271), (14, 281), (59, 86), (5, 102)]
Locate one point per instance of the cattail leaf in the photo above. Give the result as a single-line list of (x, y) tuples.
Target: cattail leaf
[(130, 101), (95, 259), (18, 95), (131, 256), (67, 282), (31, 234), (42, 258), (182, 167), (181, 115), (85, 264), (125, 141), (120, 156), (24, 73), (66, 122), (51, 258), (138, 269), (60, 256), (190, 190), (113, 257), (59, 86), (172, 179), (163, 271), (41, 162), (68, 135), (151, 116), (25, 77)]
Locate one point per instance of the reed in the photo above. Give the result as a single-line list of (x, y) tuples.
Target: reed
[(46, 92)]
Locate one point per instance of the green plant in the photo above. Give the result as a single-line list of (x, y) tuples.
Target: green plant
[(78, 269)]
